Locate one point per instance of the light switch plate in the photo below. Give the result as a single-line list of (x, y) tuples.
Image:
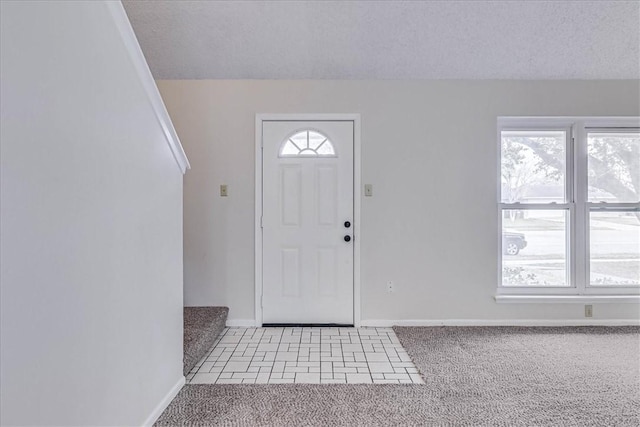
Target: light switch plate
[(223, 190), (368, 190)]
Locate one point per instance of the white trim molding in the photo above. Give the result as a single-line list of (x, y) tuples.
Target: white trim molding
[(563, 121), (242, 323), (380, 323), (357, 202), (159, 409), (564, 299), (386, 323), (148, 83)]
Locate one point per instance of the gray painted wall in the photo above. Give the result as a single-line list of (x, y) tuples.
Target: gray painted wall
[(91, 217), (429, 149)]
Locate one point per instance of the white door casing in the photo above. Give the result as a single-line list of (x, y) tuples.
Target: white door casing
[(307, 197)]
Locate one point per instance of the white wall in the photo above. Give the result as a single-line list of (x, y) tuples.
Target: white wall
[(429, 149), (91, 221)]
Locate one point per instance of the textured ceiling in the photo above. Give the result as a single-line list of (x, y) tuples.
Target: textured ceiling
[(389, 39)]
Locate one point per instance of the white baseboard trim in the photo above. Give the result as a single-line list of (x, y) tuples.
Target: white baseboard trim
[(381, 323), (155, 414), (242, 323), (564, 299), (384, 323)]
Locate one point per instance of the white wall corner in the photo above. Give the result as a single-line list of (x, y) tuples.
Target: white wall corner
[(130, 41), (162, 405)]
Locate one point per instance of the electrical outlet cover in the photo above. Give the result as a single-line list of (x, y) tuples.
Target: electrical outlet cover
[(588, 310)]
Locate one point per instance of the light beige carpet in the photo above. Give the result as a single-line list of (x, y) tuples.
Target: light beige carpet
[(474, 376)]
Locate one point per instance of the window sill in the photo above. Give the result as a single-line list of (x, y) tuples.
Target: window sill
[(567, 299)]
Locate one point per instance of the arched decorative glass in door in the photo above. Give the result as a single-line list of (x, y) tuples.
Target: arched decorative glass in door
[(307, 143)]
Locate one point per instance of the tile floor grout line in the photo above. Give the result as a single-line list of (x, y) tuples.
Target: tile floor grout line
[(250, 339), (226, 362)]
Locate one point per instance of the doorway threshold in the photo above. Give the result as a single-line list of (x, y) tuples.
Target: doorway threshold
[(307, 325)]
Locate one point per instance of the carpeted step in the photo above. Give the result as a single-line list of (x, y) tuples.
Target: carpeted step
[(202, 325)]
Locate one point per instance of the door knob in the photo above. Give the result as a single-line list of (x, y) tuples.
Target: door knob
[(347, 238), (347, 224)]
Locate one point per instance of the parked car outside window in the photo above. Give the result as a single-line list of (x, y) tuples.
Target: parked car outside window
[(513, 243)]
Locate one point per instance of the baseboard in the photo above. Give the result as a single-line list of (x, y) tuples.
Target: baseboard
[(155, 414), (385, 323), (242, 323), (382, 323)]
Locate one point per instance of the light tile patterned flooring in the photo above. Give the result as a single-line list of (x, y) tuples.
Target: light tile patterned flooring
[(306, 355)]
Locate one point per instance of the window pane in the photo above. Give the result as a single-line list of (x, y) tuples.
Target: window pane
[(289, 149), (614, 242), (534, 248), (307, 143), (533, 166), (614, 166)]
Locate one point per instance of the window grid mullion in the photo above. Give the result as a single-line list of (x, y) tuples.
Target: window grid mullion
[(570, 192), (613, 207), (537, 206), (580, 242)]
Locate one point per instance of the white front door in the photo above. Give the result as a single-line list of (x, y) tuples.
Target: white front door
[(307, 222)]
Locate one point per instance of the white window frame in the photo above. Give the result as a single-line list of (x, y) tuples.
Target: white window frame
[(576, 203)]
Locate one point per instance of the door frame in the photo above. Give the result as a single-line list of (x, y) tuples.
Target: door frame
[(357, 194)]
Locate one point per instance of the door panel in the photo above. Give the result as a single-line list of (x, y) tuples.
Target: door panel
[(291, 194), (307, 197), (326, 183), (290, 272), (327, 272)]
